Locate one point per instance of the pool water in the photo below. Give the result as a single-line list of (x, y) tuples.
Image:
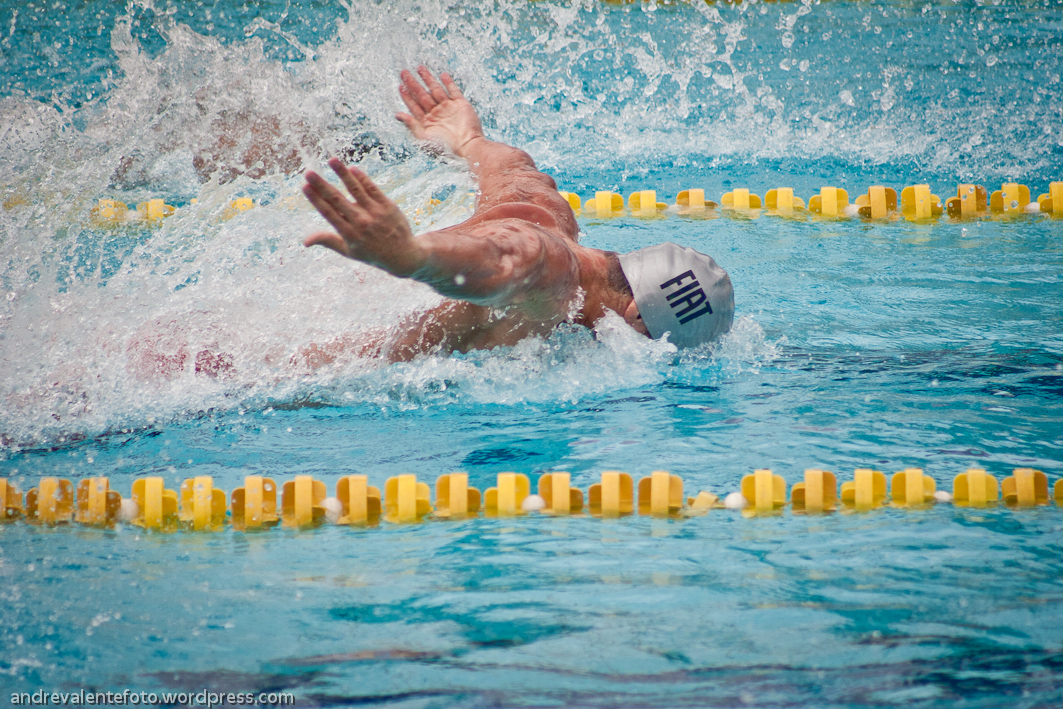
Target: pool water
[(856, 344)]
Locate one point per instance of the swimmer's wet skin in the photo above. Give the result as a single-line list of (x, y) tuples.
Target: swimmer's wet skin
[(518, 254)]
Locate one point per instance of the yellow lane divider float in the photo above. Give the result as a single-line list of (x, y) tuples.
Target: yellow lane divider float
[(507, 498), (301, 502), (879, 203), (406, 499), (604, 205), (558, 494), (830, 202), (573, 201), (975, 488), (971, 201), (661, 494), (867, 490), (693, 200), (817, 493), (10, 501), (614, 496), (912, 488), (97, 504), (202, 506), (1052, 201), (199, 506), (781, 201), (764, 492), (644, 204), (154, 506), (51, 502), (1011, 198), (454, 497), (1026, 487), (740, 199), (254, 506), (917, 204), (359, 501)]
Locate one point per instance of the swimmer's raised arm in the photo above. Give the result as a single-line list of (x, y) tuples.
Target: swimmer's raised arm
[(510, 183)]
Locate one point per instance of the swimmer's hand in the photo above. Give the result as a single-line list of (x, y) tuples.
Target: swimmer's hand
[(370, 229), (440, 114)]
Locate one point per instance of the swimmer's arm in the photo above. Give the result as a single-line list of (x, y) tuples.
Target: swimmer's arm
[(498, 263), (506, 175), (442, 114)]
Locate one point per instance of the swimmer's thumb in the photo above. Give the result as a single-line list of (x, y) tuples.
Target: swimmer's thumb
[(328, 239)]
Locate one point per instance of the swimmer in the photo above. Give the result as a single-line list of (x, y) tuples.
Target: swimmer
[(514, 268)]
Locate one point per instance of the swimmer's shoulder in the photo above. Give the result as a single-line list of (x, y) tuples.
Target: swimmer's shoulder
[(531, 213)]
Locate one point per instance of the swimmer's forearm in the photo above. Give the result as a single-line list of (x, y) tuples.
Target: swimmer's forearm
[(499, 268), (487, 157), (470, 269)]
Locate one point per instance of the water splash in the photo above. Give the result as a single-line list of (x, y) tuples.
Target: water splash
[(215, 113)]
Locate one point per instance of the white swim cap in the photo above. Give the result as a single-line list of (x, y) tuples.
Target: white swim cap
[(680, 291)]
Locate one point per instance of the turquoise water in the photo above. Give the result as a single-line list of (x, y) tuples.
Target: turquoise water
[(855, 345)]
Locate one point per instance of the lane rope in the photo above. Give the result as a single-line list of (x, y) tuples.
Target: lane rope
[(198, 506), (914, 203)]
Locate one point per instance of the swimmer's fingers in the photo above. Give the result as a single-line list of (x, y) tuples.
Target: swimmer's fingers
[(411, 123), (345, 216), (334, 207), (452, 88), (411, 102), (372, 193), (353, 185), (369, 199), (417, 92), (326, 210), (434, 88), (329, 240)]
